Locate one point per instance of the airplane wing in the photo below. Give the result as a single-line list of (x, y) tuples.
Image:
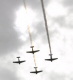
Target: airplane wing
[(39, 71), (33, 72), (54, 58), (29, 52), (36, 50), (18, 61), (22, 61), (32, 51), (36, 72), (15, 62), (51, 59), (48, 59)]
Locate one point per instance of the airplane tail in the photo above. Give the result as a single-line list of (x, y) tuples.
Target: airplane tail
[(35, 67), (31, 46), (50, 54), (18, 57)]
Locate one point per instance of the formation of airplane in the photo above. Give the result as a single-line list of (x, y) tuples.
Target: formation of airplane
[(36, 71), (51, 59), (33, 51), (19, 62)]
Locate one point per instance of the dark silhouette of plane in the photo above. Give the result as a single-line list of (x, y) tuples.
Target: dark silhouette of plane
[(19, 62), (51, 59), (36, 71), (33, 51)]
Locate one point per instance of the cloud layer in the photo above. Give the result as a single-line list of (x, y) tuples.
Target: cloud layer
[(9, 38)]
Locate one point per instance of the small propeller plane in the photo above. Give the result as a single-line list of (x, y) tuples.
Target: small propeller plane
[(36, 72), (19, 62), (33, 51), (51, 59)]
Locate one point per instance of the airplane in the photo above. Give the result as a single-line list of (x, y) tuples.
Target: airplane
[(19, 62), (33, 51), (36, 72), (51, 59)]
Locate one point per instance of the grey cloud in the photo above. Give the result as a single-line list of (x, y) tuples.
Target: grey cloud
[(39, 28), (60, 20), (9, 38), (40, 32), (68, 3), (36, 4), (64, 21), (60, 76), (56, 76), (6, 74)]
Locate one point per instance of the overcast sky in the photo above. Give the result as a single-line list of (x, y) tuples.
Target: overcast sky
[(15, 41)]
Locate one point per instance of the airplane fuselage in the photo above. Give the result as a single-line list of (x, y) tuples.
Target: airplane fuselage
[(36, 72)]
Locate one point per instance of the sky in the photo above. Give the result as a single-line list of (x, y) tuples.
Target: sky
[(15, 41)]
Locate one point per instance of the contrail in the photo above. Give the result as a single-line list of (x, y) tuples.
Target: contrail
[(31, 44), (30, 34), (24, 5), (46, 26)]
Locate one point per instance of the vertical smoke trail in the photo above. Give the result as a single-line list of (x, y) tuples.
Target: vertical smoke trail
[(30, 35), (34, 60), (46, 26), (24, 5), (31, 45)]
